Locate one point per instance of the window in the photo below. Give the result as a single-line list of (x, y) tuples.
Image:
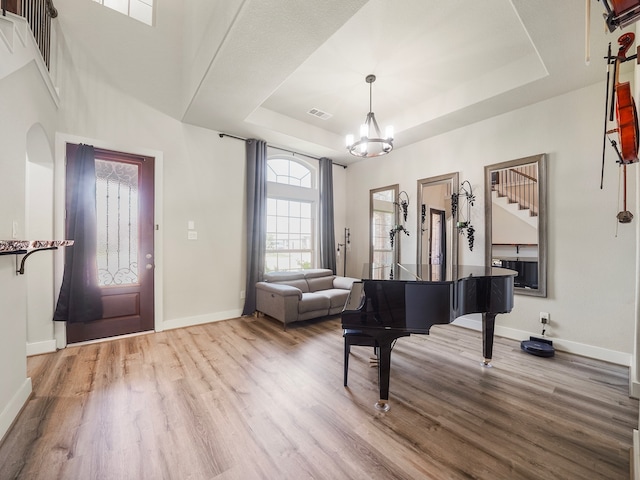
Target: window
[(141, 10), (288, 172), (291, 215)]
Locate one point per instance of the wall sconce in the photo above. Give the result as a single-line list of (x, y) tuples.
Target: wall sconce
[(466, 196)]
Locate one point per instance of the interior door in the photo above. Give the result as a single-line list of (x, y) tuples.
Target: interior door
[(125, 253), (436, 237), (437, 244)]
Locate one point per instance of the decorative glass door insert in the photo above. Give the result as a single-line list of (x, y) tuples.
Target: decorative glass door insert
[(117, 200)]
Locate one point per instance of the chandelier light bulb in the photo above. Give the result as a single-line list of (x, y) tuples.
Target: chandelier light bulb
[(349, 140), (389, 133)]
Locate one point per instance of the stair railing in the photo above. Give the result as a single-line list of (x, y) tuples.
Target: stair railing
[(38, 14), (519, 185)]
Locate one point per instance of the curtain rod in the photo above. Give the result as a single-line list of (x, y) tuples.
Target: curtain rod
[(221, 135)]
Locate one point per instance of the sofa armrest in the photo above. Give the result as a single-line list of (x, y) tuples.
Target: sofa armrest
[(279, 289), (344, 283), (278, 301)]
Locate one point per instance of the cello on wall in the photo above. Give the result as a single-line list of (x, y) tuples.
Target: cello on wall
[(626, 118), (625, 107)]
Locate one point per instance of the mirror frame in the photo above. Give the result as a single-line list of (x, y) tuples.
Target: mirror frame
[(396, 191), (541, 161), (454, 179)]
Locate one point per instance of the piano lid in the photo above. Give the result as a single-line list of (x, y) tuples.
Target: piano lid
[(430, 273)]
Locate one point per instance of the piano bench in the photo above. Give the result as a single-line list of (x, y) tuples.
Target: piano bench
[(358, 338)]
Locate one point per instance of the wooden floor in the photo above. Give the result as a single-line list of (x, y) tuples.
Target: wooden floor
[(243, 399)]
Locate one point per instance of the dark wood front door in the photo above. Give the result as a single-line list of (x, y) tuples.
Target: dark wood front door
[(125, 253)]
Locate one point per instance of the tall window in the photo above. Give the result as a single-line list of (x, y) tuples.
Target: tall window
[(291, 215), (141, 10)]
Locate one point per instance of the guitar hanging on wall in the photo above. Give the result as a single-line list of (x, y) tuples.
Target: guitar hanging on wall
[(621, 13), (623, 105)]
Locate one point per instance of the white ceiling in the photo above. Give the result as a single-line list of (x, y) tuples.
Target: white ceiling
[(256, 67)]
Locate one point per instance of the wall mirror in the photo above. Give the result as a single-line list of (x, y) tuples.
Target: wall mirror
[(383, 217), (516, 221), (437, 236)]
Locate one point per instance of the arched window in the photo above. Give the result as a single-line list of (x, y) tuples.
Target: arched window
[(291, 214)]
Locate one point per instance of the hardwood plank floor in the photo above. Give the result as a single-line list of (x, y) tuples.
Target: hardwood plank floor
[(243, 399)]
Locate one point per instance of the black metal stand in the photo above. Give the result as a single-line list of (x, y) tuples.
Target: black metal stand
[(347, 242), (27, 254)]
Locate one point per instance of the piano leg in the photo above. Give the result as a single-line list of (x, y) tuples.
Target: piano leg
[(385, 343), (488, 328), (384, 369)]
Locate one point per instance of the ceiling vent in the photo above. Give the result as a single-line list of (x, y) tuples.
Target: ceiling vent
[(320, 114)]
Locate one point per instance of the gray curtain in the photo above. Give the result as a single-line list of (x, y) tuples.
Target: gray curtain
[(256, 192), (80, 298), (327, 231)]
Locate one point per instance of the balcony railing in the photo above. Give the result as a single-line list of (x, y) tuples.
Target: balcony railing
[(519, 185), (38, 14)]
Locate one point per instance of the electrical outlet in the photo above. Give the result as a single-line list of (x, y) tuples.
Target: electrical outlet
[(544, 318)]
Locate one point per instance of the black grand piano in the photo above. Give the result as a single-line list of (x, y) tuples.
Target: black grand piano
[(389, 309)]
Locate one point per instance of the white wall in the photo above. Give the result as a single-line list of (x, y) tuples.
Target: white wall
[(24, 102), (591, 259), (39, 226)]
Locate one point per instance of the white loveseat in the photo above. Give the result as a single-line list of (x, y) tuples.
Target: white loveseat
[(302, 295)]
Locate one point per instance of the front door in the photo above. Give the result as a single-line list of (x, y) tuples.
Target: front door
[(125, 255)]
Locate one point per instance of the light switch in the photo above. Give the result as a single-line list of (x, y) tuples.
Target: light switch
[(192, 235), (191, 225)]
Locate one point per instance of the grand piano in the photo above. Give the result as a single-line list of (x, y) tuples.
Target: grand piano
[(386, 309)]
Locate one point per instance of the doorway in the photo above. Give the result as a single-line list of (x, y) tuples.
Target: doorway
[(125, 246), (437, 238)]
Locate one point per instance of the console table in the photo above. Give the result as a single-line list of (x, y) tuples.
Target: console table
[(29, 247)]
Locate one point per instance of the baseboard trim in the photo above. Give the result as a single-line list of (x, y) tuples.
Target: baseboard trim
[(38, 348), (635, 457), (12, 410), (200, 319), (611, 356), (634, 382)]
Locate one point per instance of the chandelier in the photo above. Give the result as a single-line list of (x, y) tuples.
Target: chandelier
[(371, 143)]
